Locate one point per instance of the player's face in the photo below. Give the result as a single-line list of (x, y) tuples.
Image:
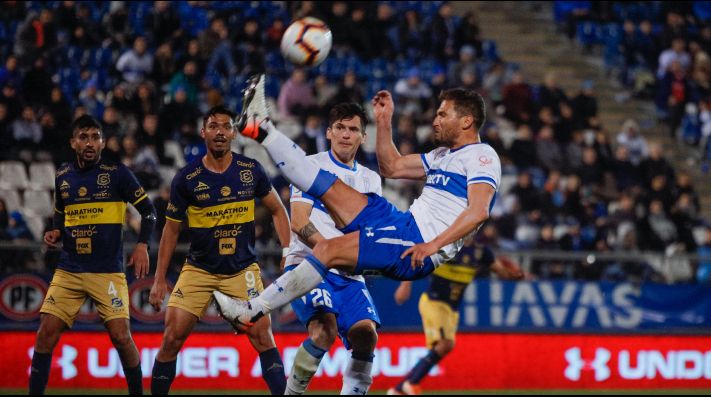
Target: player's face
[(218, 134), (88, 144), (446, 124), (346, 136)]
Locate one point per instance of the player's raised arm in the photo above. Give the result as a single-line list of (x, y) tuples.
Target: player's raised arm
[(391, 163), (301, 223)]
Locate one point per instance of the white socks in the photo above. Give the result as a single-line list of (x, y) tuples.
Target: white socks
[(290, 285), (357, 378)]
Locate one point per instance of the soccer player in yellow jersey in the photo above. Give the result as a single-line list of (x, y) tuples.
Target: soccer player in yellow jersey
[(90, 204), (439, 306), (215, 197)]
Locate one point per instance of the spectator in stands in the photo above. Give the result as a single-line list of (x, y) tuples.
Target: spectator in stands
[(146, 99), (573, 152), (11, 99), (411, 93), (163, 64), (338, 20), (676, 53), (411, 36), (550, 94), (525, 193), (523, 148), (633, 141), (468, 33), (274, 34), (359, 35), (176, 114), (5, 132), (250, 47), (188, 80), (116, 24), (163, 24), (685, 216), (135, 64), (324, 91), (142, 161), (658, 229), (585, 107), (348, 91), (60, 109), (26, 131), (296, 97), (92, 99), (655, 164), (161, 204), (493, 84), (17, 229), (37, 83), (29, 38), (684, 185), (443, 33), (193, 53), (10, 73), (148, 135), (673, 94), (382, 30), (626, 174), (572, 202), (591, 170), (518, 99)]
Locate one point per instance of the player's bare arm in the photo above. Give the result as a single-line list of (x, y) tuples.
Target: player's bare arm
[(280, 218), (507, 270), (391, 163), (301, 223), (168, 242), (479, 196), (51, 238), (403, 292)]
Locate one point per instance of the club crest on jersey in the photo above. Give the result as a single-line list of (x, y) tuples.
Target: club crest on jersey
[(246, 176), (201, 186), (103, 179), (116, 303)]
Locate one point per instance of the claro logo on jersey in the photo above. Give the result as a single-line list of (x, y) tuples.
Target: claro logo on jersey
[(21, 297), (642, 364)]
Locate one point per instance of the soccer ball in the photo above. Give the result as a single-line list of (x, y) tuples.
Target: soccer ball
[(306, 42)]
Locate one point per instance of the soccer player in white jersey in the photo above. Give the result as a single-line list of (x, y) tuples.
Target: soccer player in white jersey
[(462, 177), (340, 304)]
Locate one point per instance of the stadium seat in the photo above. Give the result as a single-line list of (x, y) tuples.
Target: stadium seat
[(39, 202), (35, 223), (42, 176), (507, 182), (167, 174), (173, 150), (258, 153), (12, 199), (13, 175)]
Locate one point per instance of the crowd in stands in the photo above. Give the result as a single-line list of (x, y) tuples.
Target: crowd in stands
[(148, 70)]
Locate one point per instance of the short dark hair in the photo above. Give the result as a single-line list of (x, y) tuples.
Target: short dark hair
[(346, 111), (84, 122), (219, 109), (466, 102)]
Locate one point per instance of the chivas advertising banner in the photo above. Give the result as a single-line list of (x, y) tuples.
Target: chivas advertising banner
[(479, 361)]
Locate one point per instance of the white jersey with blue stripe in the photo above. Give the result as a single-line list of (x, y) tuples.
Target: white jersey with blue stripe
[(444, 197), (358, 177)]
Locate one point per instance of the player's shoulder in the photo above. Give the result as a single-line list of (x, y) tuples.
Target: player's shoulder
[(368, 172)]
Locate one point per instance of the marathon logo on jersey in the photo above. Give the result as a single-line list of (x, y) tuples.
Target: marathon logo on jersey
[(21, 297), (103, 179), (83, 246), (95, 213), (230, 213), (201, 186)]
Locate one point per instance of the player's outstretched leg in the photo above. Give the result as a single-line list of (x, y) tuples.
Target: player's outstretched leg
[(289, 286), (291, 160)]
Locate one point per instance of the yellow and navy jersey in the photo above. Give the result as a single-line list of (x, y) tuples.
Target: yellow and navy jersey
[(93, 202), (219, 209), (449, 280)]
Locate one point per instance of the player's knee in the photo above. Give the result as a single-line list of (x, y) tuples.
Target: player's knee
[(121, 340), (363, 337), (324, 337), (172, 342), (444, 346), (47, 337)]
